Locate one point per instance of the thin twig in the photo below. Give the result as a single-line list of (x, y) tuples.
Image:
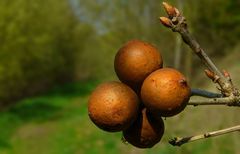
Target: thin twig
[(204, 93), (230, 94), (229, 101), (177, 22), (178, 141)]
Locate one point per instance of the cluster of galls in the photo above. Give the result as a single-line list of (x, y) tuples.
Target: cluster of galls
[(147, 92)]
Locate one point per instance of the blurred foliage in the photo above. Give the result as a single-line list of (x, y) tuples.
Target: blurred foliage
[(215, 24), (43, 43), (39, 41)]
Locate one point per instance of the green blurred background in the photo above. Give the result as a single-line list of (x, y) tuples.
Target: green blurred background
[(54, 53)]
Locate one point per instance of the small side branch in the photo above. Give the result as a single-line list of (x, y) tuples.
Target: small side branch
[(197, 103), (204, 93), (178, 141), (229, 101)]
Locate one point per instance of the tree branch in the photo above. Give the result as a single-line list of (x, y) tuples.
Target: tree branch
[(204, 93), (229, 101), (230, 94), (178, 23), (178, 141)]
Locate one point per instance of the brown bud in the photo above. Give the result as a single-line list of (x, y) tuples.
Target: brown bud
[(166, 22), (226, 73), (210, 74), (170, 10), (177, 12)]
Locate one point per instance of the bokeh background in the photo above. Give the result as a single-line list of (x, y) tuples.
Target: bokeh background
[(54, 53)]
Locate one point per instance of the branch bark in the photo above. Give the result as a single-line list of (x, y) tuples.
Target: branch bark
[(229, 101), (178, 141)]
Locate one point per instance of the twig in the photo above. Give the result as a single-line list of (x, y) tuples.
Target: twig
[(230, 94), (204, 93), (178, 23), (178, 141), (229, 101)]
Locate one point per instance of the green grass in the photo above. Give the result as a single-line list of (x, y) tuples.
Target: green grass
[(58, 123)]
